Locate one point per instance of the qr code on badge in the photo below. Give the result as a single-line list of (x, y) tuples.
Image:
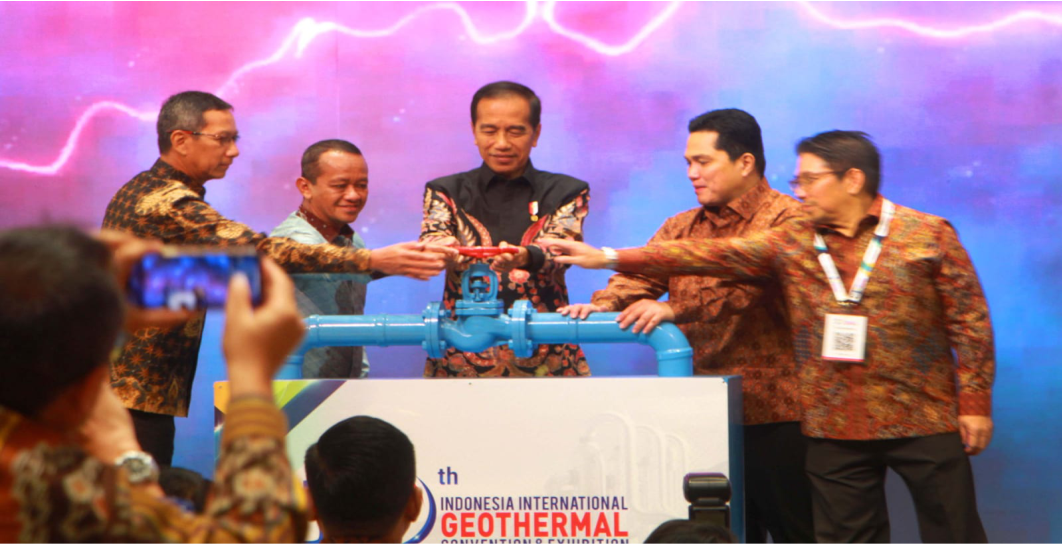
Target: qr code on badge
[(844, 341)]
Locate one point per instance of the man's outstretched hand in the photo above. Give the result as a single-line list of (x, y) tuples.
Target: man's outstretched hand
[(574, 253), (507, 262), (418, 260)]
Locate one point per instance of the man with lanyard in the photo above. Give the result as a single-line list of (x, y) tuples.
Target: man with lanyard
[(895, 373)]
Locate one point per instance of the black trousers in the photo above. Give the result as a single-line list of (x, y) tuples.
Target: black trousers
[(777, 490), (848, 485), (155, 433)]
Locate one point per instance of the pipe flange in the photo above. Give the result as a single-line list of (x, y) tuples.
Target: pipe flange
[(519, 315), (433, 342)]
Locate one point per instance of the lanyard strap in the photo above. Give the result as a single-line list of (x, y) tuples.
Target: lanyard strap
[(859, 284)]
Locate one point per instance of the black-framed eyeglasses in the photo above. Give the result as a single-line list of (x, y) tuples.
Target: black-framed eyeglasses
[(806, 179), (224, 139)]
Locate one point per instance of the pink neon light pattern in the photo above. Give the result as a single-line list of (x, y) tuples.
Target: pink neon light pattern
[(931, 32), (307, 30)]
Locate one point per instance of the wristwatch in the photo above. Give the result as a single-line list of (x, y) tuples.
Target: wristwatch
[(140, 466), (611, 258)]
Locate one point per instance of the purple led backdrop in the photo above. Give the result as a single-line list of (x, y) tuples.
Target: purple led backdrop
[(964, 99)]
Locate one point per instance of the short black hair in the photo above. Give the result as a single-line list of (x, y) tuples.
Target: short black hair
[(499, 89), (684, 530), (844, 150), (184, 111), (60, 313), (361, 474), (311, 157), (739, 133)]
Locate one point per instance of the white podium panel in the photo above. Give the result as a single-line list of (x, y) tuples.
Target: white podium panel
[(539, 460)]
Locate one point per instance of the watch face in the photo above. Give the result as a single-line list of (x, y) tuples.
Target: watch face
[(140, 466)]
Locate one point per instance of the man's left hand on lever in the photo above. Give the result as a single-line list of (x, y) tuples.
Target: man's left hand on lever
[(575, 253), (506, 262)]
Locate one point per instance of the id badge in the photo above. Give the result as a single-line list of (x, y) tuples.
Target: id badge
[(845, 338)]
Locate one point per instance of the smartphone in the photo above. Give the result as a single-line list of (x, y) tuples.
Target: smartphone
[(192, 278)]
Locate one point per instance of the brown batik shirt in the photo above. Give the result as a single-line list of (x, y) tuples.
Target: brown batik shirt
[(733, 327), (930, 354), (155, 370), (53, 491)]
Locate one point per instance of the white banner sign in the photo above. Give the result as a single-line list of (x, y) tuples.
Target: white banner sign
[(571, 460)]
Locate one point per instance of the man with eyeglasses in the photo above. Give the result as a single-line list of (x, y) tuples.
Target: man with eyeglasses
[(891, 333), (197, 138), (733, 328)]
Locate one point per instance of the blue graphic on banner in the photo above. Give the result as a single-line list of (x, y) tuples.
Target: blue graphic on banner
[(429, 524)]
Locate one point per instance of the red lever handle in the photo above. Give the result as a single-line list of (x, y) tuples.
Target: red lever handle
[(481, 252)]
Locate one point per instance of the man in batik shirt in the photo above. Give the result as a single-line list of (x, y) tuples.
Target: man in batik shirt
[(733, 328), (507, 202), (71, 469), (891, 334), (197, 143)]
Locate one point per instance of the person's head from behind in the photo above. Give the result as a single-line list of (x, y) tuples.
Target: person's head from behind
[(506, 122), (335, 181), (684, 530), (836, 171), (362, 479), (60, 314), (197, 135), (724, 155)]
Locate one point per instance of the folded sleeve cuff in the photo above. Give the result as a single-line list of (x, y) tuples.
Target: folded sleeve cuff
[(535, 258), (253, 416), (975, 404), (630, 260)]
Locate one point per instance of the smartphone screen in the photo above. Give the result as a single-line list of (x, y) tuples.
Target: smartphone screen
[(192, 278)]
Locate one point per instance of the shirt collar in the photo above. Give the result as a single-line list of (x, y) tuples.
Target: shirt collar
[(324, 227), (875, 208), (164, 170), (485, 175), (872, 217), (745, 205)]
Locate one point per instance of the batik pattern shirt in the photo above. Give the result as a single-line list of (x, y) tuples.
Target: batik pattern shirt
[(929, 350), (52, 491), (734, 327), (451, 205), (155, 370)]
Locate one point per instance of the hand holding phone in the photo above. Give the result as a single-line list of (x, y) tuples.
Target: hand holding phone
[(128, 250)]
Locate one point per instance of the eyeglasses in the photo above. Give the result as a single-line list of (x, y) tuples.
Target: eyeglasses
[(808, 178), (224, 139)]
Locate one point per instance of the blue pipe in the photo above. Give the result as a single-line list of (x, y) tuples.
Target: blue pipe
[(674, 356), (477, 333), (480, 322), (362, 330)]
